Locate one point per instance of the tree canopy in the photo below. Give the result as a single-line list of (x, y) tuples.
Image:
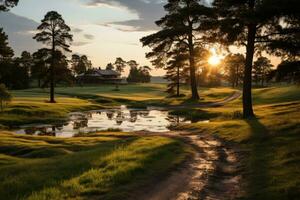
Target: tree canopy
[(179, 25), (6, 52), (257, 25), (5, 5)]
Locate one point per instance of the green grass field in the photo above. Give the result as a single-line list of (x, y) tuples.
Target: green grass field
[(271, 141), (115, 164), (106, 166), (30, 106)]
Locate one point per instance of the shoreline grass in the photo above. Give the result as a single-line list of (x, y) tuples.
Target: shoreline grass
[(30, 106)]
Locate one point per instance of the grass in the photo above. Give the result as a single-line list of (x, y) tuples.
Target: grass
[(30, 106), (272, 140), (135, 93), (105, 165)]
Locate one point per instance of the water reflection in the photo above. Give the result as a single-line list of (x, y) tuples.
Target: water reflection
[(127, 120)]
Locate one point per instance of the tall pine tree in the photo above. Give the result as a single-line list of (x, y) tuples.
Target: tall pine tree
[(252, 24), (180, 24), (54, 32)]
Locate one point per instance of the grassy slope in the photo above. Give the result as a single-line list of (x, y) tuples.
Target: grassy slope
[(272, 140), (106, 166), (30, 106)]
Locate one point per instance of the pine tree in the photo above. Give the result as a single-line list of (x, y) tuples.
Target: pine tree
[(54, 32), (261, 68), (41, 59), (5, 5), (80, 64), (253, 24), (120, 65), (174, 67), (6, 51), (234, 69), (6, 54), (180, 25)]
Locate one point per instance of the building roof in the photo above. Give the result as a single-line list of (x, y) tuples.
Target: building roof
[(108, 72), (100, 72)]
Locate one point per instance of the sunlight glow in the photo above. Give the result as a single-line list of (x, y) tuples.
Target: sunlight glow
[(214, 59)]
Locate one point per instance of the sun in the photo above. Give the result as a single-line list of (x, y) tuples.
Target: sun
[(214, 59)]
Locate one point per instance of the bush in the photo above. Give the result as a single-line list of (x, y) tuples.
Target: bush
[(5, 96)]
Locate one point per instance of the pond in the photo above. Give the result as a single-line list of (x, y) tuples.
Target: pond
[(121, 119)]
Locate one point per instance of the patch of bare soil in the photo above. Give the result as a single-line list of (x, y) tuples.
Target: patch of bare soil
[(213, 173)]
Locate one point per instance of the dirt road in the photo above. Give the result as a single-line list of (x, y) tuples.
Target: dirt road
[(211, 174)]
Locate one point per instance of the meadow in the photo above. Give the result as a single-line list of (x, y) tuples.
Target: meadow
[(113, 165), (269, 143), (106, 166), (31, 106)]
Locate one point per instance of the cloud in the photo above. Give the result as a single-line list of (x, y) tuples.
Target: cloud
[(79, 43), (148, 12), (77, 30), (20, 31), (89, 36)]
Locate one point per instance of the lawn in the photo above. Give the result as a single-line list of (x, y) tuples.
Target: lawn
[(106, 165), (271, 141), (30, 106)]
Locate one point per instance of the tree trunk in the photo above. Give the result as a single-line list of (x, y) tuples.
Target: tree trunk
[(178, 82), (247, 87), (263, 78), (52, 99), (237, 76), (1, 105), (194, 88)]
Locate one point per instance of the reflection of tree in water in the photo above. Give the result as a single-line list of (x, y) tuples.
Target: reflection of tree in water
[(133, 116), (30, 131), (120, 118), (81, 123), (89, 115), (110, 115), (41, 131), (61, 126), (144, 113), (174, 120)]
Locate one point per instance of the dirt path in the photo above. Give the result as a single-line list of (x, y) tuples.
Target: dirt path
[(211, 174)]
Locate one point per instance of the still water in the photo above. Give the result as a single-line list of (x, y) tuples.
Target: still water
[(123, 119)]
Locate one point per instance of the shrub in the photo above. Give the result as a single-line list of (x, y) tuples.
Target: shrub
[(5, 96)]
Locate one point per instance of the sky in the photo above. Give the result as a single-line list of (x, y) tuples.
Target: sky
[(102, 29)]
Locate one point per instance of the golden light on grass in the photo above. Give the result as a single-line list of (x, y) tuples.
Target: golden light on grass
[(214, 59)]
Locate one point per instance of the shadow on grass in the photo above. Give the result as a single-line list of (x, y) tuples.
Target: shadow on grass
[(259, 161), (194, 115)]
